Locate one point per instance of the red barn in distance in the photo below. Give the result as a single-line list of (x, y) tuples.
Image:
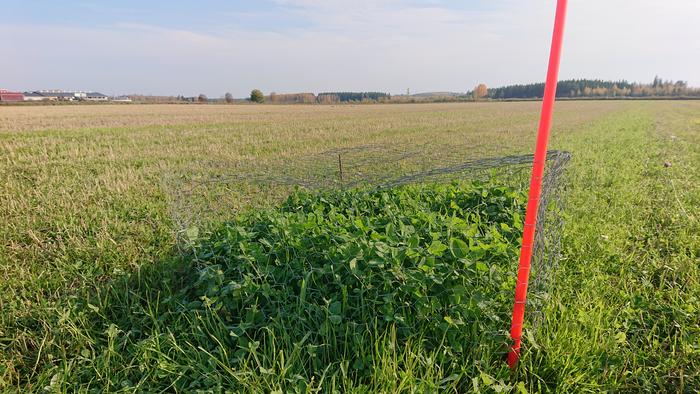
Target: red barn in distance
[(10, 96)]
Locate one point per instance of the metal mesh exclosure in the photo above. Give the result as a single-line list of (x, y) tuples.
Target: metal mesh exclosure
[(217, 191)]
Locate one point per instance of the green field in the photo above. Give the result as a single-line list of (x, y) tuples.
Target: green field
[(90, 217)]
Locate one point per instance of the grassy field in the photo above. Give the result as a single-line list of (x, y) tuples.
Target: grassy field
[(88, 235)]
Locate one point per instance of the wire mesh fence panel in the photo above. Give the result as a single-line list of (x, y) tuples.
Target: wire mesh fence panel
[(215, 194), (211, 190)]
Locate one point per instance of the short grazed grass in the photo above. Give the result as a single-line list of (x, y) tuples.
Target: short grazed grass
[(624, 313), (87, 229)]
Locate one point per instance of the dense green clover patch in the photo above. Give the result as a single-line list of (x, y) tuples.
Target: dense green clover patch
[(331, 273)]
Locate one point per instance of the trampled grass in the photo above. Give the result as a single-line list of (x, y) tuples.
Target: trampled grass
[(87, 231)]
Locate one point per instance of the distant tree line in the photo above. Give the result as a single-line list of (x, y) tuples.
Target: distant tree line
[(596, 88), (345, 97), (322, 98), (257, 96), (292, 98), (570, 88)]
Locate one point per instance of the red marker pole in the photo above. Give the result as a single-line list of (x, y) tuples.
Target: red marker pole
[(550, 89)]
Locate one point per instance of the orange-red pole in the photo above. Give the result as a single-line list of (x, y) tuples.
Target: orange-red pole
[(550, 89)]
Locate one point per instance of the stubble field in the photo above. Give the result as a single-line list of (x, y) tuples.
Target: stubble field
[(87, 222)]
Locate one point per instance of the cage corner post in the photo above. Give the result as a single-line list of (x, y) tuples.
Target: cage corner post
[(538, 167)]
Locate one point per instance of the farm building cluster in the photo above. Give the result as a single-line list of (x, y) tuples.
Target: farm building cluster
[(56, 95)]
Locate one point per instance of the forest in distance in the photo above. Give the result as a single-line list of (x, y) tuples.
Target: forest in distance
[(569, 88), (566, 89), (593, 88)]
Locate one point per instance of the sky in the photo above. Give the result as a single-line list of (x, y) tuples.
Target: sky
[(216, 46)]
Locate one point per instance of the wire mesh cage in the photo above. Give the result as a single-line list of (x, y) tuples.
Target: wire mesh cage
[(218, 192)]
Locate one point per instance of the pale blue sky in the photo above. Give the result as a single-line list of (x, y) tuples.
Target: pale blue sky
[(215, 46)]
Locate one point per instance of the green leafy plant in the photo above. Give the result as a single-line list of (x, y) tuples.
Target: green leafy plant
[(333, 273)]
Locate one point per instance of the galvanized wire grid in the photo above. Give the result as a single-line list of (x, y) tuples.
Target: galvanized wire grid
[(218, 190)]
